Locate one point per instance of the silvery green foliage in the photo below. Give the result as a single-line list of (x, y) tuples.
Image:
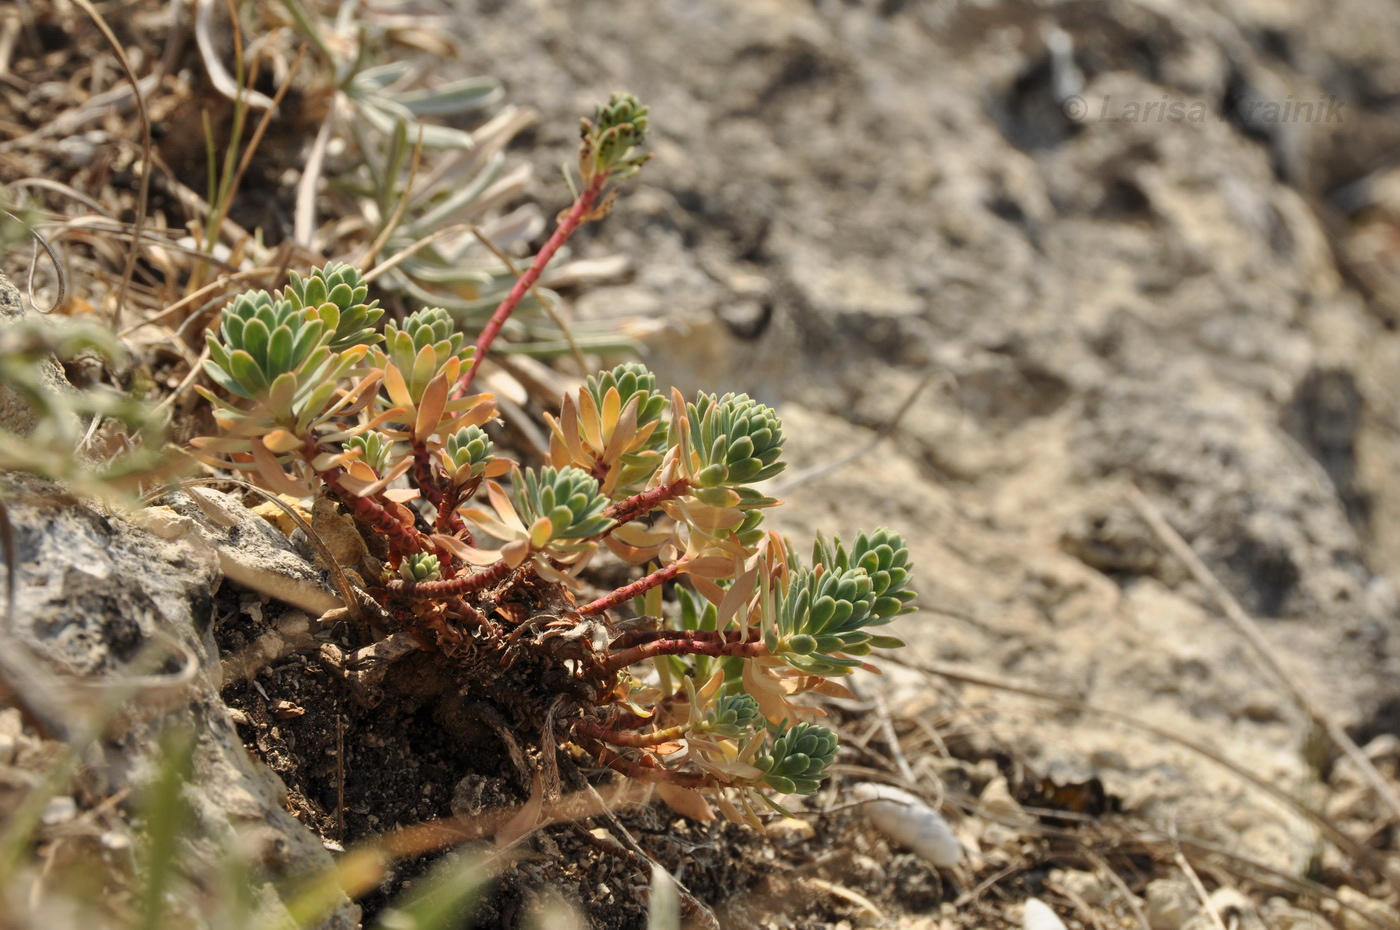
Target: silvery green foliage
[(632, 379), (431, 326), (374, 448), (338, 286), (796, 762), (420, 566), (619, 127), (421, 345), (884, 557), (737, 439), (733, 715), (261, 338), (569, 498), (468, 452)]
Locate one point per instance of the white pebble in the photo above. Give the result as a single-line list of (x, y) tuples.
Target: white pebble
[(1038, 916), (907, 820)]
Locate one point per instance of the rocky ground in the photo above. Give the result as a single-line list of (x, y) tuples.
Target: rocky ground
[(856, 203), (849, 198)]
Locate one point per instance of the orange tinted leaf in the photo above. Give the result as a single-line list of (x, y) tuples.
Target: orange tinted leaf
[(832, 689), (431, 408), (270, 471), (397, 388), (515, 552), (469, 554), (685, 801), (281, 440), (498, 467), (709, 566), (666, 749)]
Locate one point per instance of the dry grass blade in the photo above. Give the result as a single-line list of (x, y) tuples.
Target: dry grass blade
[(144, 189), (64, 190), (214, 66), (210, 288), (304, 215), (411, 250), (34, 264), (1200, 890), (1104, 869), (258, 132), (1249, 629), (399, 209), (7, 539)]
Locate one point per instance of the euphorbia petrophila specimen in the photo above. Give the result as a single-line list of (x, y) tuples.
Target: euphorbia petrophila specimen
[(694, 695)]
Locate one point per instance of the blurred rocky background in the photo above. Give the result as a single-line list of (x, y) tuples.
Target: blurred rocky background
[(1200, 298)]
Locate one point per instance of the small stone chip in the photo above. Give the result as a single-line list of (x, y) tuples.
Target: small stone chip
[(286, 710)]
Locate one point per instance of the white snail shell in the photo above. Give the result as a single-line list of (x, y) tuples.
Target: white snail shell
[(907, 820)]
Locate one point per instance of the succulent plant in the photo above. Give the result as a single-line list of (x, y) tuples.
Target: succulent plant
[(422, 346), (736, 439), (659, 481), (611, 428), (885, 559), (611, 140), (733, 715), (337, 294), (630, 380), (560, 505), (818, 622), (374, 448), (262, 338), (467, 453), (420, 566), (797, 761)]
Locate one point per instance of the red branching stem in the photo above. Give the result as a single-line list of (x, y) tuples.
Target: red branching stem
[(462, 584), (470, 614), (630, 740), (627, 592), (448, 519), (403, 539), (426, 478), (639, 505), (689, 646), (571, 221)]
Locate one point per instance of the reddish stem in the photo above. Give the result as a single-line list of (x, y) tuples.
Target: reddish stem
[(627, 592), (462, 584), (571, 221), (629, 740), (639, 505), (403, 539), (689, 646), (424, 475)]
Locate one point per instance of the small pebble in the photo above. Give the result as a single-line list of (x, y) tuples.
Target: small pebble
[(286, 710), (790, 830), (59, 810), (1038, 916)]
